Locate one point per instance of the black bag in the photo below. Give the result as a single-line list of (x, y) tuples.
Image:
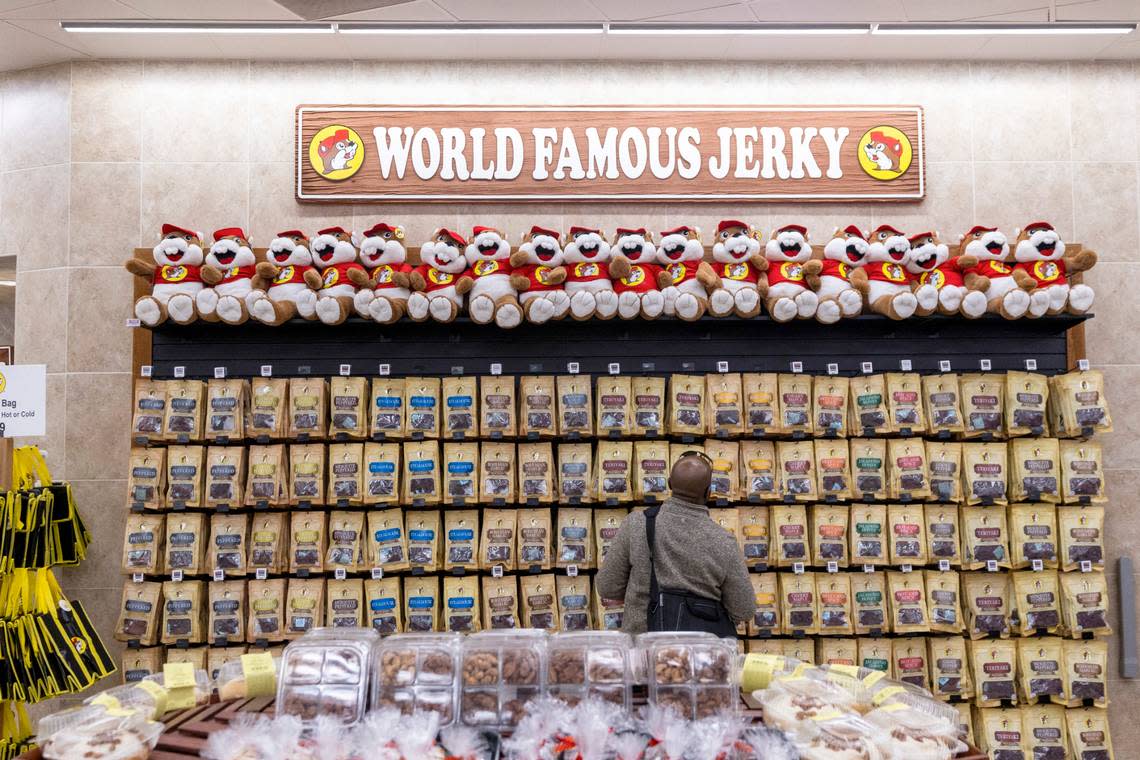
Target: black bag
[(673, 610)]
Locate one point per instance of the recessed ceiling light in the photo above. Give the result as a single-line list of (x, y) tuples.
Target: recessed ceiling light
[(1003, 29), (434, 29), (738, 29), (180, 27)]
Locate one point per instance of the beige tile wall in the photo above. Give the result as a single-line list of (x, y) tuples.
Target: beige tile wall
[(95, 156)]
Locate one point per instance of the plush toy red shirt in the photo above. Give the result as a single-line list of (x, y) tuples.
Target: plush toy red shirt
[(1045, 273), (990, 268), (487, 267), (291, 274), (887, 271), (682, 271), (642, 278), (539, 277), (173, 274), (787, 271), (436, 279), (738, 271), (383, 276), (833, 268), (337, 274), (238, 273), (942, 275), (587, 271)]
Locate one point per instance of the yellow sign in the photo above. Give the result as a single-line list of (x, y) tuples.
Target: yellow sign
[(336, 152), (885, 152)]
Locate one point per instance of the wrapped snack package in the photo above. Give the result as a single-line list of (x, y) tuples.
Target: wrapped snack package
[(327, 674), (692, 673)]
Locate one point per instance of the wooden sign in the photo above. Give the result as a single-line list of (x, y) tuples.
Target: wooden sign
[(610, 153)]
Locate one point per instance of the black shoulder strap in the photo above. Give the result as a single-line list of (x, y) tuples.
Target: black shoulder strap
[(651, 539)]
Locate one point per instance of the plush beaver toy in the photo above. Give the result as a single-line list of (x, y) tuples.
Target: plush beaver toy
[(587, 257), (385, 296), (1006, 289), (1041, 254), (226, 298), (882, 278), (175, 277), (738, 263), (837, 296), (291, 281), (439, 282), (788, 253), (938, 280), (635, 273), (538, 275), (341, 274), (687, 278), (492, 297)]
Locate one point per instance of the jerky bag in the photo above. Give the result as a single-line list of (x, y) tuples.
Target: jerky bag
[(1082, 472), (830, 405), (613, 398), (225, 409), (796, 460), (461, 539), (904, 402), (869, 532), (982, 404), (758, 465), (461, 609), (266, 542), (387, 406), (227, 547), (381, 473), (184, 476), (984, 473), (907, 600), (761, 410), (943, 404), (615, 471), (833, 468), (421, 472), (142, 543), (869, 413), (575, 480), (421, 400), (536, 473), (460, 479), (1034, 470), (149, 418), (307, 541), (497, 405), (424, 545), (1033, 535), (497, 473), (754, 536), (686, 404), (500, 602), (942, 534), (1037, 599), (460, 407), (539, 602), (307, 407), (724, 414), (146, 483), (387, 542), (1081, 533), (348, 399), (989, 604), (1026, 397), (869, 468), (648, 406), (795, 403), (225, 476), (185, 410), (575, 411), (942, 601), (266, 476), (346, 474), (534, 529), (829, 535), (307, 473), (268, 413)]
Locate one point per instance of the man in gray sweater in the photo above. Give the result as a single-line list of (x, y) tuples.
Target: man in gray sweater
[(694, 554)]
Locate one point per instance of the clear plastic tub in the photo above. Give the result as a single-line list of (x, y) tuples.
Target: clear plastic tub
[(231, 683), (696, 674), (501, 672), (132, 736), (327, 672), (146, 697), (419, 671), (203, 688), (589, 664)]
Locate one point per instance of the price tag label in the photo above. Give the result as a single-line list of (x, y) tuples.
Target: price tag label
[(496, 369), (219, 373), (833, 369), (797, 367), (180, 372), (985, 365), (944, 365), (1031, 365), (944, 565), (614, 368), (1037, 565), (260, 674), (134, 323), (867, 368), (261, 573), (219, 575), (384, 369), (904, 365), (176, 576), (457, 370), (377, 573), (497, 571), (907, 568), (178, 675), (868, 568), (340, 574), (572, 368), (833, 567), (798, 568), (267, 370), (572, 571), (991, 566), (722, 367), (146, 370), (345, 370), (1083, 365), (137, 578), (1086, 566)]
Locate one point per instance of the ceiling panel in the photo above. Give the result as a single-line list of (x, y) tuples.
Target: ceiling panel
[(725, 13), (520, 10), (22, 48), (74, 10), (1100, 10), (122, 45), (964, 10), (420, 10), (638, 10), (247, 10), (264, 47), (828, 10)]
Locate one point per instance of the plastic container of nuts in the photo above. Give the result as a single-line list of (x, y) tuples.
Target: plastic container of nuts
[(502, 671), (419, 671), (694, 673), (327, 672), (583, 664)]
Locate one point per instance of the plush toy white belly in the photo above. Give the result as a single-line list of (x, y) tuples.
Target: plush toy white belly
[(237, 288), (999, 286), (494, 286), (589, 286), (693, 287), (785, 290), (832, 286), (338, 291), (163, 292), (394, 294), (735, 286), (288, 292), (449, 293), (877, 289)]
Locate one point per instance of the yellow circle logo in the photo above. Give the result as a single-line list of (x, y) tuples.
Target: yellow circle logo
[(440, 278), (3, 382), (486, 266), (283, 276), (636, 276), (884, 152), (174, 273), (542, 274), (336, 152), (1046, 270)]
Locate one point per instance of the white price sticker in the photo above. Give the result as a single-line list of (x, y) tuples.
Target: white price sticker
[(497, 571), (377, 573), (345, 370), (176, 576), (219, 575), (868, 568), (180, 372), (1037, 565), (867, 368), (261, 573), (833, 566), (1031, 365), (943, 565), (340, 574), (798, 568), (146, 370), (496, 369), (907, 568), (797, 367), (134, 323), (384, 369), (904, 365), (219, 373), (1086, 566), (572, 368), (985, 365), (833, 368), (614, 368), (944, 365), (267, 370), (572, 571), (991, 566), (1083, 365), (722, 367), (137, 578)]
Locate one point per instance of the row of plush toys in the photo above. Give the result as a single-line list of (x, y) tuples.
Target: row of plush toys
[(547, 277)]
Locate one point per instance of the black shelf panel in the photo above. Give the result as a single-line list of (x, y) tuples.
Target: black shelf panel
[(649, 347)]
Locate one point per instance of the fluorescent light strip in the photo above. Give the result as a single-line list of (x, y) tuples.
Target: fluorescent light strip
[(435, 29), (789, 30), (988, 30), (179, 27)]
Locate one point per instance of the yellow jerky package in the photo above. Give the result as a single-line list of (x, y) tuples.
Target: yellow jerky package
[(910, 662), (762, 411), (307, 473), (906, 469), (1041, 670), (766, 620), (830, 405), (384, 603), (387, 407), (615, 471), (1086, 671), (648, 405), (308, 405), (869, 468), (868, 533), (754, 538), (983, 397), (267, 476), (307, 542), (421, 400), (1081, 532), (1026, 398), (1037, 599), (908, 534), (381, 473), (725, 456), (834, 591), (942, 534), (790, 534), (651, 470), (225, 476), (758, 470), (833, 468), (149, 418), (984, 473), (348, 399), (943, 404), (460, 406), (1082, 402), (1033, 535), (267, 536), (944, 470), (225, 409), (497, 405), (799, 603), (904, 402), (724, 414), (421, 472), (869, 413), (795, 403), (497, 473), (796, 461), (387, 545), (266, 610), (536, 472), (268, 412), (346, 474), (575, 410), (988, 603), (613, 399), (1087, 728), (985, 537), (185, 410), (949, 667), (942, 601), (1084, 604), (907, 600), (876, 654), (1082, 472), (537, 410), (1034, 470), (829, 534), (686, 404), (575, 479)]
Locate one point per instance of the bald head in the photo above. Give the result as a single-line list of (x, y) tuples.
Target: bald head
[(691, 478)]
